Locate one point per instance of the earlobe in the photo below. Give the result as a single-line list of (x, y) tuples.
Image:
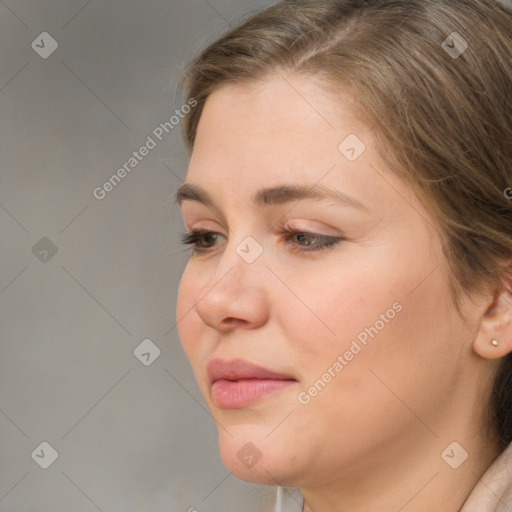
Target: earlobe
[(491, 348), (494, 337)]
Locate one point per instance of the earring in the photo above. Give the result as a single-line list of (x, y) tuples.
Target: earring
[(494, 342)]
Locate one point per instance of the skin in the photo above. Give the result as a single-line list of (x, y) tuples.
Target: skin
[(372, 438)]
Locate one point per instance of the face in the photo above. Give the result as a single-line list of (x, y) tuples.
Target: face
[(342, 300)]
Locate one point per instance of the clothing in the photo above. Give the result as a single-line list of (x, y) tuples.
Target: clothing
[(288, 500), (492, 493)]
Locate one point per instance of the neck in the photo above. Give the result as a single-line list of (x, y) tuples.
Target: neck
[(420, 482)]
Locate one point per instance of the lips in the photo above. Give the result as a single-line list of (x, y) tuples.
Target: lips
[(237, 383), (238, 369)]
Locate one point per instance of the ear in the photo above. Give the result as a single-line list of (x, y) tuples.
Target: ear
[(494, 337)]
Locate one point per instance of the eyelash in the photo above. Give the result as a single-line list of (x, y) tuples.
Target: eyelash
[(194, 236)]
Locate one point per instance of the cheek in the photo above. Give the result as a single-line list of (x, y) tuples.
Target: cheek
[(417, 349), (375, 320), (334, 309)]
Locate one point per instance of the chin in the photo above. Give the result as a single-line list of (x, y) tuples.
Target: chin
[(254, 458)]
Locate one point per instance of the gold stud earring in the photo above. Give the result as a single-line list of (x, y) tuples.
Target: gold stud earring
[(494, 342)]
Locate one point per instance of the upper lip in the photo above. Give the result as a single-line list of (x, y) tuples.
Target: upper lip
[(237, 369)]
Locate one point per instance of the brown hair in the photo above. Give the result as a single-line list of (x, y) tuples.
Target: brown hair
[(441, 112)]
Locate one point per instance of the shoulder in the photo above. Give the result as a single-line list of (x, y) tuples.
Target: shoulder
[(493, 491)]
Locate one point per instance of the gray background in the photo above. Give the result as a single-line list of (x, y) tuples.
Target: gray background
[(130, 437)]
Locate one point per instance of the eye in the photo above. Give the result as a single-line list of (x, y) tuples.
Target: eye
[(310, 242), (201, 240)]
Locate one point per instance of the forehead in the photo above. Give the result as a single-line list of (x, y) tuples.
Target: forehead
[(279, 109), (283, 127)]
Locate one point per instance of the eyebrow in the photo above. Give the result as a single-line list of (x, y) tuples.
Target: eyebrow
[(280, 194)]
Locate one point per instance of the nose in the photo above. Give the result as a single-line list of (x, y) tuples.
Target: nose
[(235, 295)]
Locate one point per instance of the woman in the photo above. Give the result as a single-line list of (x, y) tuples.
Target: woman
[(347, 307)]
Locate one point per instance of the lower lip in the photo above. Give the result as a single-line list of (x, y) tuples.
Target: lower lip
[(229, 394)]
